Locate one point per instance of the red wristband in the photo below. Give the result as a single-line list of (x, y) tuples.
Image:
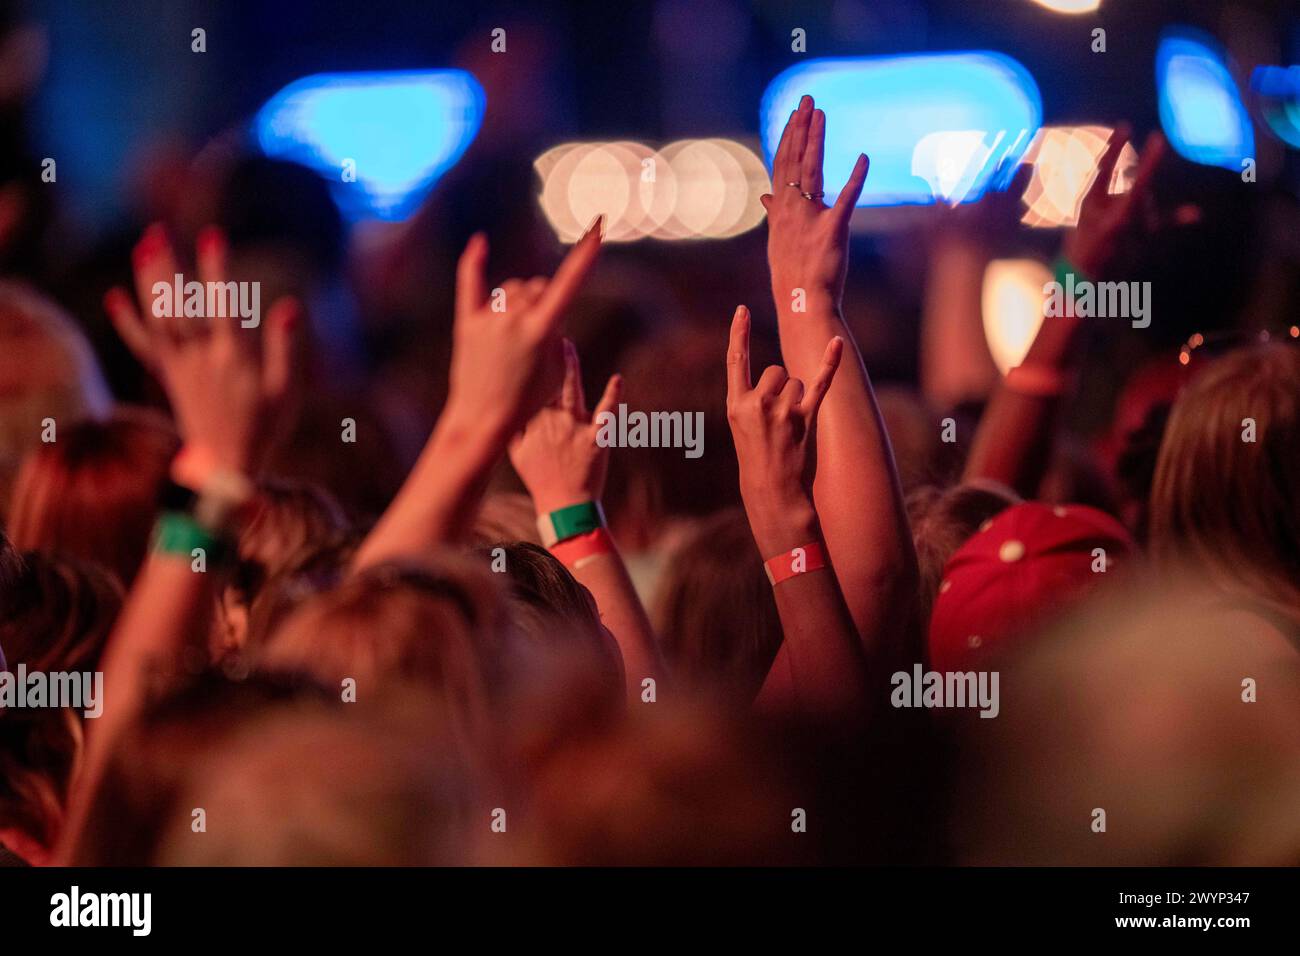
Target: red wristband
[(1037, 381), (808, 557), (573, 553)]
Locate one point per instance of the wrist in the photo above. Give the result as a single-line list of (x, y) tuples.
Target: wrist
[(817, 299), (463, 435), (552, 499), (779, 526), (572, 521)]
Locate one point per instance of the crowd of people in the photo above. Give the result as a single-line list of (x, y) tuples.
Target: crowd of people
[(835, 636)]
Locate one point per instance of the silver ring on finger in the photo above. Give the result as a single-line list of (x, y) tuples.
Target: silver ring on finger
[(798, 186), (812, 196)]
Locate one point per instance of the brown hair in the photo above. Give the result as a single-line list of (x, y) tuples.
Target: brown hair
[(439, 622), (58, 614), (290, 524), (942, 519), (554, 619), (94, 493), (716, 612), (1226, 505)]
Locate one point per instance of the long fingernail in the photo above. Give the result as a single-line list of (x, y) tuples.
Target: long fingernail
[(149, 245), (113, 299), (211, 241)]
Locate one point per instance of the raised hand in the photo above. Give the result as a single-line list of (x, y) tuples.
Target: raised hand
[(507, 359), (807, 241), (773, 424), (1106, 220), (227, 384), (556, 455)]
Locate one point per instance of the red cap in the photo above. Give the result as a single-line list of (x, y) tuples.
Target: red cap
[(1027, 561)]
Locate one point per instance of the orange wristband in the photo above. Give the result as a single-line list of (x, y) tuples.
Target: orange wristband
[(808, 557), (573, 553)]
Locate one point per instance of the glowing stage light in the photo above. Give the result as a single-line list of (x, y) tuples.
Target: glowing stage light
[(401, 132), (1278, 89), (934, 125), (1200, 109), (690, 189), (1065, 162), (1069, 6), (1012, 305)]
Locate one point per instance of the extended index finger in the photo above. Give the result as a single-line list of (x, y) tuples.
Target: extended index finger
[(571, 274), (812, 399), (471, 287), (738, 375)]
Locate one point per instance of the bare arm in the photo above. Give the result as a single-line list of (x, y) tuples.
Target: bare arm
[(1013, 444), (562, 464), (820, 667), (506, 363), (857, 492), (226, 392)]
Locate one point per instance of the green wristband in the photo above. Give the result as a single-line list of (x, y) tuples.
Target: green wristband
[(179, 534), (1067, 274), (569, 522)]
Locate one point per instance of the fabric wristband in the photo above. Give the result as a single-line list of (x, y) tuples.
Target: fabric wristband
[(218, 498), (179, 534), (569, 522), (581, 550), (1062, 268), (788, 564), (1038, 381)]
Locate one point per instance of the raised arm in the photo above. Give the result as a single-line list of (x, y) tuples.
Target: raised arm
[(820, 667), (506, 363), (1013, 444), (228, 386), (564, 467), (857, 492)]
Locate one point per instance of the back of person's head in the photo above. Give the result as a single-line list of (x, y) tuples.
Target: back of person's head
[(177, 735), (505, 516), (439, 622), (1224, 494), (56, 619), (555, 625), (57, 612), (715, 612), (942, 520), (94, 493), (1148, 729), (289, 522), (47, 371), (672, 785), (407, 797)]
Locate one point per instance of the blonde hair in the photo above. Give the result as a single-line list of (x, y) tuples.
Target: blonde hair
[(1227, 505)]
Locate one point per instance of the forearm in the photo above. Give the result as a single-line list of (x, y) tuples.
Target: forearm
[(820, 666), (439, 499), (167, 613), (856, 491), (1013, 443)]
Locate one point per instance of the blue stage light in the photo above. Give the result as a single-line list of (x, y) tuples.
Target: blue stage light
[(935, 126), (1278, 89), (1200, 108), (400, 130)]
